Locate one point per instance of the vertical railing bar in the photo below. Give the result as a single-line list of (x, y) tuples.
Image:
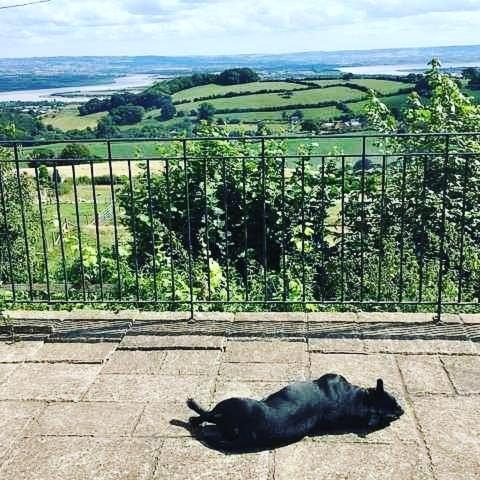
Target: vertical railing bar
[(322, 234), (245, 224), (42, 232), (402, 231), (284, 235), (207, 233), (79, 232), (152, 230), (133, 224), (264, 222), (114, 213), (362, 233), (97, 229), (225, 231), (423, 220), (60, 230), (189, 226), (169, 223), (381, 246), (302, 216), (462, 232), (24, 223), (342, 244), (9, 250), (442, 231)]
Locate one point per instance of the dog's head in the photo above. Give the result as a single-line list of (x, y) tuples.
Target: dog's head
[(384, 404)]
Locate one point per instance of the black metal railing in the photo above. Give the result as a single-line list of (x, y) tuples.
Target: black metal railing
[(269, 223)]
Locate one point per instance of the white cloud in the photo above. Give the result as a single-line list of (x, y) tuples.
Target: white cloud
[(216, 26)]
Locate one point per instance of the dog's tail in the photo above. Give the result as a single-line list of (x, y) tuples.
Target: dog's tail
[(192, 404)]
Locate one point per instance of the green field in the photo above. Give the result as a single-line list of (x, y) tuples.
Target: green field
[(321, 113), (289, 95), (68, 118), (302, 97), (384, 87), (212, 89)]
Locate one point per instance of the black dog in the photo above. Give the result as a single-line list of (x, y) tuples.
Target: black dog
[(300, 409)]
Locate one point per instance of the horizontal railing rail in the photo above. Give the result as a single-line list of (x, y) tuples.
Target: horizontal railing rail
[(304, 222)]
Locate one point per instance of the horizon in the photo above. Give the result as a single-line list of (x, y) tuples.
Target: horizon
[(265, 53), (62, 28)]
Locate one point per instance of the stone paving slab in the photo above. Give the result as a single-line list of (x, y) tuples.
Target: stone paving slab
[(82, 458), (394, 317), (407, 331), (18, 351), (316, 460), (344, 317), (266, 352), (444, 347), (132, 362), (14, 419), (173, 342), (333, 330), (6, 369), (48, 381), (336, 345), (193, 362), (452, 433), (74, 352), (464, 373), (206, 463), (156, 417), (150, 388), (83, 330), (470, 318), (180, 327), (286, 372), (424, 374), (270, 317), (86, 418), (267, 329)]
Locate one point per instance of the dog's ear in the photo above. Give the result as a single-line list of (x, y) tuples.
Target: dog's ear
[(379, 385)]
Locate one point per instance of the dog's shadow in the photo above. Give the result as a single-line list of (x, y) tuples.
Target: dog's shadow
[(210, 437)]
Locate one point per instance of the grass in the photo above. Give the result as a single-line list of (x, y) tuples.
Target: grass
[(384, 87), (321, 113), (212, 89), (68, 118), (304, 97), (102, 169)]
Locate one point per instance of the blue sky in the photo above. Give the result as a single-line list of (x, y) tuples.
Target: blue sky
[(186, 27)]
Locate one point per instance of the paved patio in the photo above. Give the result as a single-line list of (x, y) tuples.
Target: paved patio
[(91, 395)]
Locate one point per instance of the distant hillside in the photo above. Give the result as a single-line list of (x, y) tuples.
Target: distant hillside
[(304, 63)]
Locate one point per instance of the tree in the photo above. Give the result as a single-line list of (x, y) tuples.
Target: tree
[(17, 206), (106, 128), (40, 154), (236, 76), (348, 76), (75, 151), (168, 109), (415, 241), (473, 76), (206, 111), (127, 114)]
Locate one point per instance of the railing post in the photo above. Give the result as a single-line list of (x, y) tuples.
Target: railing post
[(438, 317), (189, 225), (24, 223)]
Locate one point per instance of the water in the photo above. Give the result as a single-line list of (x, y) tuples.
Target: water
[(136, 82), (402, 69)]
